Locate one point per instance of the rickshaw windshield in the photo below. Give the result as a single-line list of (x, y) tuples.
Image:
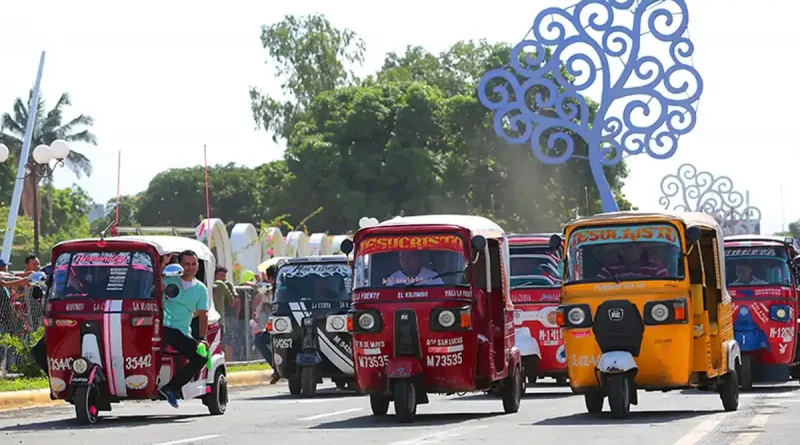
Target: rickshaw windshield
[(316, 282), (419, 260), (535, 267), (620, 253), (757, 266), (108, 275)]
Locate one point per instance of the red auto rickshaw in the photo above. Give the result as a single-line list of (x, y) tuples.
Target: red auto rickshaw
[(432, 312), (103, 324), (536, 293), (763, 283)]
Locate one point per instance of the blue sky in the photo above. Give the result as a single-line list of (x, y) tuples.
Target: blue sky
[(163, 78)]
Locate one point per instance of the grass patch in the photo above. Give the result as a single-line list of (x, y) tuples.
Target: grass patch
[(24, 384)]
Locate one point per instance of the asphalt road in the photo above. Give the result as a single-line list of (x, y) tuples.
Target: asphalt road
[(549, 414)]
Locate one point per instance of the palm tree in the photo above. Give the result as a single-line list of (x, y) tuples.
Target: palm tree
[(48, 128)]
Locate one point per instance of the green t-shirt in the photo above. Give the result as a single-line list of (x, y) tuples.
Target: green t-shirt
[(178, 311)]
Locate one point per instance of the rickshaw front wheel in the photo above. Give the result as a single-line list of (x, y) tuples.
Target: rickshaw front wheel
[(294, 384), (379, 404), (340, 384), (729, 391), (745, 374), (512, 392), (308, 381), (594, 402), (619, 395), (405, 400), (85, 405)]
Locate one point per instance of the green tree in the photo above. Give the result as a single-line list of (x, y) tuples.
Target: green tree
[(23, 236), (794, 230), (310, 55), (128, 209), (69, 220)]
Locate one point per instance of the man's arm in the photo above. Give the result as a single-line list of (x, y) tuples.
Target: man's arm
[(202, 310), (18, 282), (202, 318)]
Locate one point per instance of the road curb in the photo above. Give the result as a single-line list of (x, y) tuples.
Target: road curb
[(12, 400)]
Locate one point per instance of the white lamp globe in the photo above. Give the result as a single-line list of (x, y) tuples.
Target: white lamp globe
[(3, 153), (363, 222), (42, 155), (59, 149)]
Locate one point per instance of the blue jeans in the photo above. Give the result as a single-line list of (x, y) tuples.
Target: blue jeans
[(262, 342)]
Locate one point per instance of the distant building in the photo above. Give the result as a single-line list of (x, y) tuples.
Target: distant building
[(98, 211)]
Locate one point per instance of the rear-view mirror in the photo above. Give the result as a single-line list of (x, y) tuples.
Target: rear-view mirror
[(478, 242), (37, 278), (173, 270), (347, 246), (556, 242), (693, 234)]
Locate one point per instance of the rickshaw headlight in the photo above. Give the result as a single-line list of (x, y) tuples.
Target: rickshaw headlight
[(280, 324), (446, 318), (366, 321), (576, 316), (336, 323), (659, 312), (80, 366)]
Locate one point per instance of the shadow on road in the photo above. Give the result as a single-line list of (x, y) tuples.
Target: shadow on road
[(102, 423), (320, 394), (528, 395), (755, 390), (389, 421), (636, 417)]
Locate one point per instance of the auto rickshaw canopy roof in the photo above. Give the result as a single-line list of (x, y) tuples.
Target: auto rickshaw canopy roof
[(689, 219), (163, 244), (475, 224)]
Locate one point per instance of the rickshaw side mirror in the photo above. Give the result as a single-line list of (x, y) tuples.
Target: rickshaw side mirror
[(37, 278), (478, 242), (556, 242), (172, 290), (173, 270), (346, 246), (693, 234)]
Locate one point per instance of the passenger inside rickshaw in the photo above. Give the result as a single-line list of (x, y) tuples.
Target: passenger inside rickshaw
[(750, 270), (531, 271), (406, 267), (313, 282), (625, 260)]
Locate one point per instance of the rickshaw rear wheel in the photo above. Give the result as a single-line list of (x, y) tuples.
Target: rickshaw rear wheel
[(561, 381), (340, 384), (85, 406), (619, 395), (405, 400), (379, 404), (294, 385), (729, 391), (308, 381), (594, 402), (217, 399), (745, 374), (512, 392)]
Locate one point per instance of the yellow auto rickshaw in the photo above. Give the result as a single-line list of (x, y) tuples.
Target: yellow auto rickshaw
[(644, 306)]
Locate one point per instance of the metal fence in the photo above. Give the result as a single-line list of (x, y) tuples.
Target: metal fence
[(22, 315)]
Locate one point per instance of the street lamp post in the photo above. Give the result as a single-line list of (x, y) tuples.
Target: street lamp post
[(38, 167)]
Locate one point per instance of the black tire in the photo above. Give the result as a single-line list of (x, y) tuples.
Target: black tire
[(308, 381), (379, 404), (512, 392), (745, 374), (619, 395), (794, 371), (405, 400), (594, 402), (561, 381), (340, 384), (729, 391), (294, 385), (217, 399), (85, 405)]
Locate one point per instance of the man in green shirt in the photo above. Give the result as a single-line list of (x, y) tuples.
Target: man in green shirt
[(224, 292), (192, 298)]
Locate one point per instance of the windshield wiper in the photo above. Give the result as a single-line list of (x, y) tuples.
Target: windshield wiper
[(528, 283), (443, 274)]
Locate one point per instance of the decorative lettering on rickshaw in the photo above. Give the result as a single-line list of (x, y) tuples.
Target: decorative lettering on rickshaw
[(373, 361), (59, 364), (322, 270), (760, 251), (760, 310), (409, 294), (100, 259), (420, 242), (369, 344), (768, 292), (149, 307), (445, 341), (605, 287), (579, 333), (584, 361), (282, 342), (359, 296), (444, 360), (785, 333), (136, 382), (458, 293), (99, 307), (631, 234), (343, 344), (75, 306), (782, 348), (550, 337), (143, 361)]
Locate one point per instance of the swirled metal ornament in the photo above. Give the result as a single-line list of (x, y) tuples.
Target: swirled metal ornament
[(647, 98), (691, 191)]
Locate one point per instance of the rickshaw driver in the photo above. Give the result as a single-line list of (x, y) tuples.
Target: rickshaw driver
[(411, 270), (320, 289), (633, 262), (744, 276), (178, 313)]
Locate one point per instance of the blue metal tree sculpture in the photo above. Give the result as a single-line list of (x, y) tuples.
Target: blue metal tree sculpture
[(691, 191), (605, 45)]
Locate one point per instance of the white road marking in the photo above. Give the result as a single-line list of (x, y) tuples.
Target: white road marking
[(440, 436), (335, 413), (747, 437), (189, 440), (699, 432)]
